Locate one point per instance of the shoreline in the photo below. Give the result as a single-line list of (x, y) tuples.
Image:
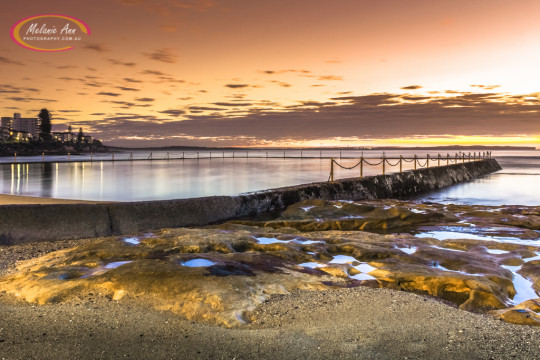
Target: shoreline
[(6, 199)]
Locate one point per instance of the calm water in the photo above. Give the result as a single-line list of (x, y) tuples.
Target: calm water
[(518, 183), (222, 174)]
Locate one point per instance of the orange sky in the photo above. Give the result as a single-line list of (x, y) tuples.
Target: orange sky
[(284, 73)]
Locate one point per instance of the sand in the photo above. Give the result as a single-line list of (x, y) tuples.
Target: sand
[(19, 200), (358, 322)]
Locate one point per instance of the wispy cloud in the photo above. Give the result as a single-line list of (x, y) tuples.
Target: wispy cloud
[(5, 60), (163, 55)]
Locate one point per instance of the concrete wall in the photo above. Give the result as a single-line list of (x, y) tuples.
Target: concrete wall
[(30, 223)]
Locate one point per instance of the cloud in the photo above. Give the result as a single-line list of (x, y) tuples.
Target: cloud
[(163, 55), (108, 93), (144, 99), (69, 111), (132, 80), (127, 88), (330, 78), (118, 62), (231, 104), (153, 72), (5, 60), (96, 114), (172, 112), (236, 86), (487, 87), (411, 87), (96, 47)]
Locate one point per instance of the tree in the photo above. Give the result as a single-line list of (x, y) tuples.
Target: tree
[(80, 136), (45, 126), (69, 129)]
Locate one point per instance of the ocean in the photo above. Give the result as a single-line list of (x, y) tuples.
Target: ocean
[(168, 176)]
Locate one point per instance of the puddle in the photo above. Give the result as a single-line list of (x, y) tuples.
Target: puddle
[(308, 242), (267, 240), (131, 241), (114, 265), (408, 250), (497, 251), (523, 286), (363, 276), (198, 263), (365, 268), (343, 259), (312, 265), (443, 248), (451, 235)]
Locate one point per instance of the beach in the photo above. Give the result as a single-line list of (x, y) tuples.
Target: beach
[(359, 322), (326, 322)]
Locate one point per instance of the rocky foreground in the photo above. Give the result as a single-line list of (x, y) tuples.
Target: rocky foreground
[(480, 259)]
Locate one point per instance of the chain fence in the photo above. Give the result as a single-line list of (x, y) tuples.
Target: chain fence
[(417, 162)]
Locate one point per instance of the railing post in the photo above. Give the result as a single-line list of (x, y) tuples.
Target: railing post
[(15, 157), (91, 156), (447, 159), (332, 170), (284, 154), (233, 154), (383, 163), (131, 157), (464, 158), (301, 154), (362, 167), (415, 159), (320, 154), (339, 154), (427, 161), (438, 159), (224, 154), (183, 155), (112, 156), (267, 154), (68, 156), (456, 158), (43, 157), (197, 155), (400, 163)]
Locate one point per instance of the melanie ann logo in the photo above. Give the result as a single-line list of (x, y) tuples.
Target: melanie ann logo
[(49, 32)]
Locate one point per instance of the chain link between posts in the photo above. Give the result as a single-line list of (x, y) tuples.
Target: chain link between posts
[(435, 161)]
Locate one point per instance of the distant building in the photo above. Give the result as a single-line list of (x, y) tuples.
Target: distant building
[(64, 136), (19, 125)]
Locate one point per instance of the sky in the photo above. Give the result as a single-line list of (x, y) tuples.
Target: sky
[(293, 73)]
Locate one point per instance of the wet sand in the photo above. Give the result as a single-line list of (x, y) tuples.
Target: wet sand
[(358, 322), (20, 200)]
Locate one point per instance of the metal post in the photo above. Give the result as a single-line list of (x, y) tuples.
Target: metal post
[(301, 154), (438, 159), (224, 154), (183, 155), (43, 157), (284, 154), (340, 155), (233, 154), (320, 154), (91, 156), (383, 163), (113, 156), (68, 156), (415, 159), (247, 154), (168, 155), (15, 157), (447, 159), (210, 154), (197, 155), (332, 170), (427, 161), (362, 167), (400, 163), (267, 154), (131, 157)]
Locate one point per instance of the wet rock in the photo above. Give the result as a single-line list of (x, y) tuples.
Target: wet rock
[(526, 313)]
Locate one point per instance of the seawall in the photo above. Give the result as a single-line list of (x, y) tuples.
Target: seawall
[(32, 223)]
